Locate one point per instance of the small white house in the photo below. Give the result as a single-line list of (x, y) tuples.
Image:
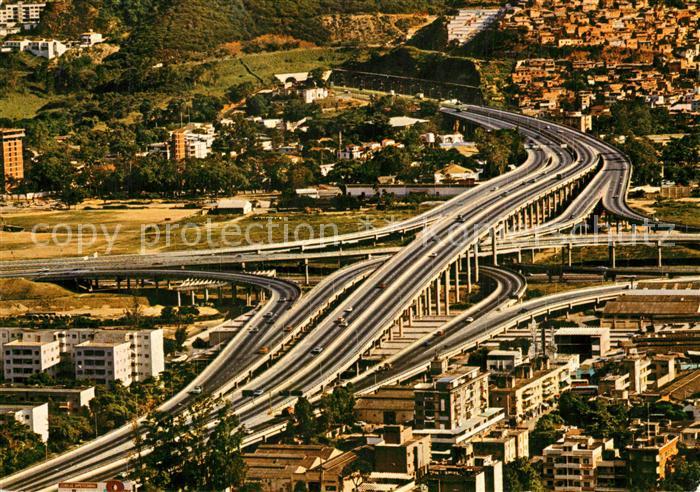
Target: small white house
[(90, 38), (233, 206), (34, 417)]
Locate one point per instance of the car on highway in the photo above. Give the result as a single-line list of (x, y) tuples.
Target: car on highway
[(197, 390), (253, 330), (340, 320), (349, 309), (288, 328), (264, 350), (469, 319), (316, 350), (258, 392)]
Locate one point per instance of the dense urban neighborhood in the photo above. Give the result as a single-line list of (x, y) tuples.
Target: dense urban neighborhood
[(350, 246)]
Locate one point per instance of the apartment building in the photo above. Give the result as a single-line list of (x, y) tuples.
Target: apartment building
[(67, 399), (32, 352), (504, 443), (45, 48), (587, 342), (11, 156), (193, 141), (100, 355), (388, 405), (402, 452), (532, 388), (648, 457), (454, 407), (36, 417), (120, 355), (25, 14), (503, 361), (580, 462)]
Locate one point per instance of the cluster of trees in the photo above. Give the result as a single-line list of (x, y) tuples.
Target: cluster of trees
[(598, 418), (185, 455), (111, 408), (337, 409)]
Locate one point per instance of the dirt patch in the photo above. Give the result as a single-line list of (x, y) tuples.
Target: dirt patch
[(373, 28), (21, 296)]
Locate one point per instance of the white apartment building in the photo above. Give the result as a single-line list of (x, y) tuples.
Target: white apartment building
[(104, 362), (90, 38), (99, 355), (469, 22), (28, 354), (26, 14), (45, 48), (34, 417)]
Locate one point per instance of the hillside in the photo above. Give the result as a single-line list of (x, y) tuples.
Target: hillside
[(172, 28)]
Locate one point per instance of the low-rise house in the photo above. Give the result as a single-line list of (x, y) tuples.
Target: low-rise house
[(388, 405), (233, 206), (36, 417), (67, 399)]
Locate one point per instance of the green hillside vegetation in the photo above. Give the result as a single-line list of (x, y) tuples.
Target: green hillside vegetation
[(169, 29), (412, 62)]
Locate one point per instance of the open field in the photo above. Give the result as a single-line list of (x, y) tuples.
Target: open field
[(21, 105), (684, 211), (233, 71), (163, 226), (20, 296)]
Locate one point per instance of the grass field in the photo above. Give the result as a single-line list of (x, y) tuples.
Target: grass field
[(18, 106), (168, 227), (232, 71)]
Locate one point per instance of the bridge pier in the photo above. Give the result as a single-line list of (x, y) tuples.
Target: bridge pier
[(658, 254), (179, 299), (438, 297), (468, 270), (611, 255), (476, 262), (447, 291), (494, 248), (306, 271), (429, 300), (457, 293)]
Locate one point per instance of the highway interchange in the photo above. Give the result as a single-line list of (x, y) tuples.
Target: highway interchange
[(374, 296)]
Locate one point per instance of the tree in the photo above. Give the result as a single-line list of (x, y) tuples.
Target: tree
[(548, 430), (183, 457), (180, 337), (238, 92), (521, 476), (358, 471), (304, 423)]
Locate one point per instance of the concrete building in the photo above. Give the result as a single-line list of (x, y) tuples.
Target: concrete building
[(635, 311), (615, 386), (454, 407), (453, 173), (233, 206), (402, 452), (25, 352), (503, 361), (587, 342), (36, 417), (504, 443), (88, 39), (573, 462), (34, 352), (45, 48), (648, 457), (532, 388), (67, 399), (479, 474), (23, 15), (11, 156), (278, 467), (120, 355), (388, 405)]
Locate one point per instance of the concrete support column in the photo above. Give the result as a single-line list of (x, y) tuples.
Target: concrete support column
[(520, 256), (401, 325), (447, 291), (476, 262), (306, 271), (568, 254), (429, 303), (468, 270), (658, 254), (457, 287), (438, 298), (179, 298), (128, 283), (206, 295), (494, 247), (192, 298), (611, 254)]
